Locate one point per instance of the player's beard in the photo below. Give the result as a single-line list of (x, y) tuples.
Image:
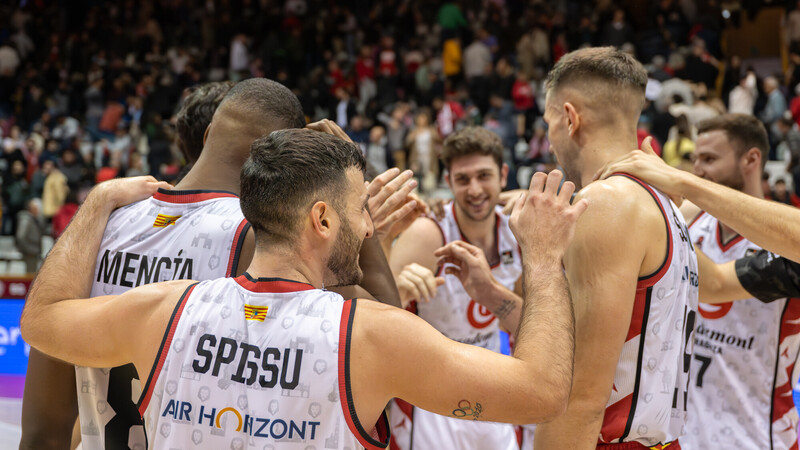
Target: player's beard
[(735, 181), (343, 262)]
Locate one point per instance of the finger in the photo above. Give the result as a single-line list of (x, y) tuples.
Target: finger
[(579, 207), (453, 271), (427, 277), (472, 249), (378, 182), (439, 281), (647, 145), (537, 182), (419, 283), (411, 290), (442, 260), (399, 214), (599, 174), (553, 182), (567, 189), (394, 201)]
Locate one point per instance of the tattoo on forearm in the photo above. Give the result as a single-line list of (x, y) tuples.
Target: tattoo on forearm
[(506, 308), (466, 410)]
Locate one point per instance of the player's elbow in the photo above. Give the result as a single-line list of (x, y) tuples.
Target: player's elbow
[(28, 328), (551, 397)]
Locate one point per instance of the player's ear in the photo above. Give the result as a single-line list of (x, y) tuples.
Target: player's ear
[(323, 219), (573, 118), (751, 159), (504, 176)]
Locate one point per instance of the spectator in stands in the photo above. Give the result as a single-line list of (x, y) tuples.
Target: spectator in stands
[(765, 186), (64, 215), (742, 98), (55, 190), (680, 142), (618, 31), (773, 110), (780, 194), (29, 232)]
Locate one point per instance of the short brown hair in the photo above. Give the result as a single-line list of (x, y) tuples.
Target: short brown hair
[(470, 141), (743, 132), (607, 65)]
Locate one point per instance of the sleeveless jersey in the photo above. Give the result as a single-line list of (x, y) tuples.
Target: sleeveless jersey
[(172, 235), (744, 362), (256, 363), (462, 319), (647, 405)]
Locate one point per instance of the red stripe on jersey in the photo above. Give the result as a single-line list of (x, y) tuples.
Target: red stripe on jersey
[(637, 315), (166, 343), (653, 278), (726, 246), (633, 445), (236, 247), (274, 285), (191, 196), (615, 420), (782, 401), (378, 437)]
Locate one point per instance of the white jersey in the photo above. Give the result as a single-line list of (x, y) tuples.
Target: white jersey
[(172, 235), (648, 398), (462, 319), (744, 362), (257, 364)]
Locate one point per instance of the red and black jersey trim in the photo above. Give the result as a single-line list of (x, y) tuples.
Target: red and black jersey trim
[(725, 246), (236, 248), (274, 285), (653, 278), (380, 435), (190, 196), (163, 350), (696, 218)]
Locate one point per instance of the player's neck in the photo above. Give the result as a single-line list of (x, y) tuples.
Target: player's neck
[(753, 189), (208, 173), (480, 233), (603, 148), (286, 264)]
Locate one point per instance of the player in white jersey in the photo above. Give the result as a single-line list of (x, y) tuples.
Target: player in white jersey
[(262, 369), (745, 351), (631, 268), (194, 232), (473, 158)]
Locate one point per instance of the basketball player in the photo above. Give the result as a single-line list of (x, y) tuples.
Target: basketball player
[(195, 114), (634, 310), (476, 174), (194, 231), (269, 356), (745, 351)]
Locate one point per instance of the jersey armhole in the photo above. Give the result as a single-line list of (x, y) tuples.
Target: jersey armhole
[(379, 436), (163, 349), (653, 278)]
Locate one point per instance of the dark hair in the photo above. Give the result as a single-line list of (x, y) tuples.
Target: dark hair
[(742, 130), (268, 100), (614, 68), (287, 172), (195, 115), (472, 140)]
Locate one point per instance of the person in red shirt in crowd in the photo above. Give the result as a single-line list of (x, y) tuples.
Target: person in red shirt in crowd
[(64, 215), (780, 194), (642, 133)]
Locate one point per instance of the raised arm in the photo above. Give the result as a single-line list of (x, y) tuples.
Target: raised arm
[(67, 271), (470, 382), (771, 225)]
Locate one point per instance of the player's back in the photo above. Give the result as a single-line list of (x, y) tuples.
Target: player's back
[(172, 235), (648, 398), (744, 363), (256, 362)]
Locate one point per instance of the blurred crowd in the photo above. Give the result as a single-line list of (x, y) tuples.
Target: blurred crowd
[(89, 89)]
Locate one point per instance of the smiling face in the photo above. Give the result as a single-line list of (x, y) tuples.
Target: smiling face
[(716, 160), (476, 182)]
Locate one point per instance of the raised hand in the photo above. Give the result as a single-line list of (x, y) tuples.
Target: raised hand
[(390, 201), (329, 127), (469, 264), (543, 220), (416, 282), (124, 191)]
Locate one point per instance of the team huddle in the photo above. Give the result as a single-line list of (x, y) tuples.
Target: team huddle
[(274, 299)]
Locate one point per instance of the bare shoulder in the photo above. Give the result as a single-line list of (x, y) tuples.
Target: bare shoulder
[(425, 230), (158, 294), (619, 201), (382, 324)]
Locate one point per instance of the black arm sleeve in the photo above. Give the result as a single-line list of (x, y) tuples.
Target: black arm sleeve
[(769, 277)]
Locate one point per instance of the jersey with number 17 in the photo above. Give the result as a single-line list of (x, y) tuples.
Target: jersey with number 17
[(173, 235)]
